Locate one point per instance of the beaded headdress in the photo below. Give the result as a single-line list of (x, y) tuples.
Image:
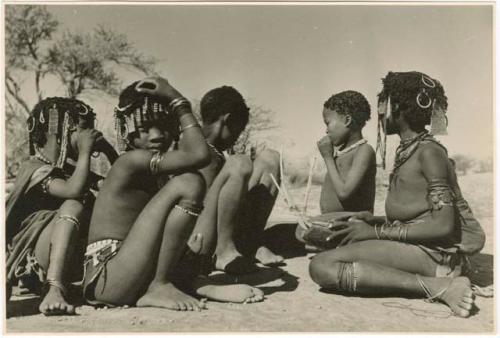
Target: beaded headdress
[(56, 116), (414, 92), (137, 109)]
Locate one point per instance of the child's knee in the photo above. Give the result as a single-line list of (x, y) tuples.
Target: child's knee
[(72, 208), (325, 271), (191, 186), (269, 160), (239, 165)]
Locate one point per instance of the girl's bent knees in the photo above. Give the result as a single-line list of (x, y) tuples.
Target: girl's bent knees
[(268, 159), (239, 165), (191, 186), (72, 208), (324, 272)]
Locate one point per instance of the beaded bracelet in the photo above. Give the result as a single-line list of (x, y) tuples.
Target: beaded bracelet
[(154, 164)]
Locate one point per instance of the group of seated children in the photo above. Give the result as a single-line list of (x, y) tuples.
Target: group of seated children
[(173, 208)]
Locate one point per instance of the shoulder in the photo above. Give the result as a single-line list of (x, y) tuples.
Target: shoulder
[(434, 160), (365, 152), (432, 151), (129, 163), (133, 158)]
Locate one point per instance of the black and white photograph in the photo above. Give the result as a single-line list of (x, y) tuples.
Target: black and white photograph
[(249, 167)]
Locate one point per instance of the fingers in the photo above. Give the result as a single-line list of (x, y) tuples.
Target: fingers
[(148, 85), (339, 225), (346, 240), (337, 233)]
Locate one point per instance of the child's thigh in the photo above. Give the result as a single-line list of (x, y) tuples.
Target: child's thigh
[(397, 255)]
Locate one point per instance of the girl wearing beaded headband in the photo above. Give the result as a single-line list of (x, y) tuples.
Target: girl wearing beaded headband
[(420, 248), (45, 210), (137, 110)]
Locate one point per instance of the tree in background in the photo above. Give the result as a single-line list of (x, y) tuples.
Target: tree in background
[(80, 61), (462, 163)]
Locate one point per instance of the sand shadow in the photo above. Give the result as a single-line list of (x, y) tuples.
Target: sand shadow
[(280, 238), (481, 273), (284, 281), (23, 306)]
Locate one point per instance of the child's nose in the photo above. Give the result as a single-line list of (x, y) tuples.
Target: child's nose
[(155, 135)]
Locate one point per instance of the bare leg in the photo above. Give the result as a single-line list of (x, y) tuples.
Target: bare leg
[(151, 249), (385, 267), (259, 202), (53, 251), (222, 205)]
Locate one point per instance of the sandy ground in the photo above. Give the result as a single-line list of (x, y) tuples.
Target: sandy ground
[(294, 303)]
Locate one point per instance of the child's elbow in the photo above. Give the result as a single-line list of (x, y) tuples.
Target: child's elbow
[(201, 158), (445, 229), (343, 195)]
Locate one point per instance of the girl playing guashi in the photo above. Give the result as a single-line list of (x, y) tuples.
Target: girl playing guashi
[(421, 247), (45, 212), (144, 215)]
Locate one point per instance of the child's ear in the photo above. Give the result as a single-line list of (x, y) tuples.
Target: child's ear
[(348, 120)]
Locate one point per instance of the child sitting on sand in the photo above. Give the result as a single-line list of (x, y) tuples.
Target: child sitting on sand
[(349, 184), (45, 212), (240, 192), (421, 247), (144, 214)]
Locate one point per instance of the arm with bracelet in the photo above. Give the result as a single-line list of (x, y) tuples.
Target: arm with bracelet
[(192, 152), (440, 197), (438, 227)]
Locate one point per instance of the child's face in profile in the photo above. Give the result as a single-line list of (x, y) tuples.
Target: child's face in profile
[(337, 126), (230, 131), (83, 124), (152, 137)]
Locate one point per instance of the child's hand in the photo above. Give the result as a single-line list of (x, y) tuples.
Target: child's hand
[(157, 86), (87, 139), (325, 146), (361, 215)]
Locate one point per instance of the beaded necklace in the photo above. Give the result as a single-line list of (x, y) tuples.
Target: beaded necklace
[(216, 151), (353, 146)]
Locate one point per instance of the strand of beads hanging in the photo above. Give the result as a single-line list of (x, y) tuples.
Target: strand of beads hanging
[(405, 150), (40, 156), (216, 151), (353, 146)]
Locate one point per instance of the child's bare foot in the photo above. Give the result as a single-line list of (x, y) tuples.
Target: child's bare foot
[(238, 293), (458, 295), (54, 304), (267, 257), (232, 262), (169, 297)]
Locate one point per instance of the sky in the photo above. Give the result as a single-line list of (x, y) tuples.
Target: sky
[(291, 58)]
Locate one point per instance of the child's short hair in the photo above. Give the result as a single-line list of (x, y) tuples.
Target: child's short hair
[(221, 101), (350, 103), (415, 95), (136, 109)]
